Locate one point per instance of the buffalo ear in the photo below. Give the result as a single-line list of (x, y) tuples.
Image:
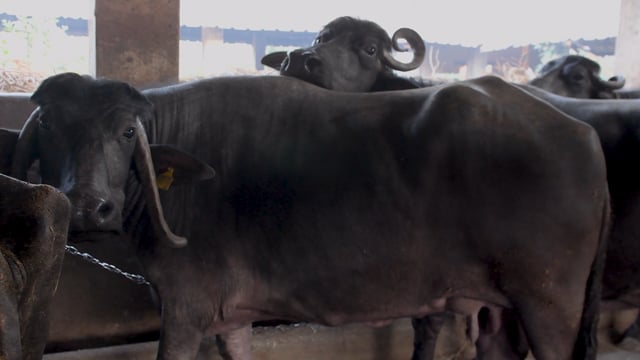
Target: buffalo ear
[(8, 140), (62, 87), (185, 168), (274, 60)]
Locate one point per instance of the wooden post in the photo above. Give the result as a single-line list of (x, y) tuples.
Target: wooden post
[(627, 61), (137, 41)]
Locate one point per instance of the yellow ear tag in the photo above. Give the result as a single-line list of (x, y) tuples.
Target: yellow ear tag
[(164, 179)]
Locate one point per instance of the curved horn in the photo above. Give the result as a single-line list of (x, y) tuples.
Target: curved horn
[(614, 82), (417, 44), (144, 165), (24, 152)]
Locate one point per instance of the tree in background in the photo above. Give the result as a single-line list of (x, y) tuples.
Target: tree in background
[(32, 48)]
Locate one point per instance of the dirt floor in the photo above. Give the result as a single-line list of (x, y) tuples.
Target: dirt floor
[(353, 342)]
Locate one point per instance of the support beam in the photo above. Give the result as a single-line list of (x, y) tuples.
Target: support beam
[(627, 55), (137, 41)]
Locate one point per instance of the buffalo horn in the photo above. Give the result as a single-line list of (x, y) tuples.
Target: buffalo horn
[(144, 165), (614, 82), (417, 44), (23, 154)]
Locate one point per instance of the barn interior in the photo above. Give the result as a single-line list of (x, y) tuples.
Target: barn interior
[(101, 315)]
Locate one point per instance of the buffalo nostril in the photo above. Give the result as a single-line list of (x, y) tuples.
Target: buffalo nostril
[(103, 212), (312, 64), (105, 209)]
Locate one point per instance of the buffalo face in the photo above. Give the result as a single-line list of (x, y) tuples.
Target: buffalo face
[(348, 55), (577, 77), (89, 138), (339, 63), (84, 146)]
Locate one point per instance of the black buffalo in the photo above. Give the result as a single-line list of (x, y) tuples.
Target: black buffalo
[(579, 77), (33, 235), (351, 54), (572, 75), (333, 207), (617, 123)]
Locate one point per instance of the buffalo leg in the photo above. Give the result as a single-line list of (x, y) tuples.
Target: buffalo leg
[(208, 348), (557, 341), (236, 344), (178, 340), (425, 335)]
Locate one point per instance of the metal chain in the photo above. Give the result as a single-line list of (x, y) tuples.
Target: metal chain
[(138, 279)]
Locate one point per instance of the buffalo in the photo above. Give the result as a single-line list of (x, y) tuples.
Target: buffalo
[(616, 122), (351, 54), (571, 75), (579, 77), (333, 207), (33, 233)]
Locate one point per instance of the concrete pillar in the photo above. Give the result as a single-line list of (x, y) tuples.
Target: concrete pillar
[(627, 61), (212, 39), (212, 34), (259, 50), (137, 41), (477, 64)]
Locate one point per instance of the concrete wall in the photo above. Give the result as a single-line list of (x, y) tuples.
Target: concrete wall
[(628, 43), (14, 109)]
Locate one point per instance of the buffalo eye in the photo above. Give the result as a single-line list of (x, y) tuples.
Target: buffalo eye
[(577, 77), (371, 50), (129, 133), (320, 39), (43, 123)]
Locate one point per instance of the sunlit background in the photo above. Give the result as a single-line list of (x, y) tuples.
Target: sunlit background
[(34, 42), (492, 24)]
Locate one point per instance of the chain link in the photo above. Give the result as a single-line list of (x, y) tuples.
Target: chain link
[(138, 279)]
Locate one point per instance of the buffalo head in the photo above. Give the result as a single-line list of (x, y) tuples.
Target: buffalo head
[(578, 77), (89, 139), (349, 54)]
